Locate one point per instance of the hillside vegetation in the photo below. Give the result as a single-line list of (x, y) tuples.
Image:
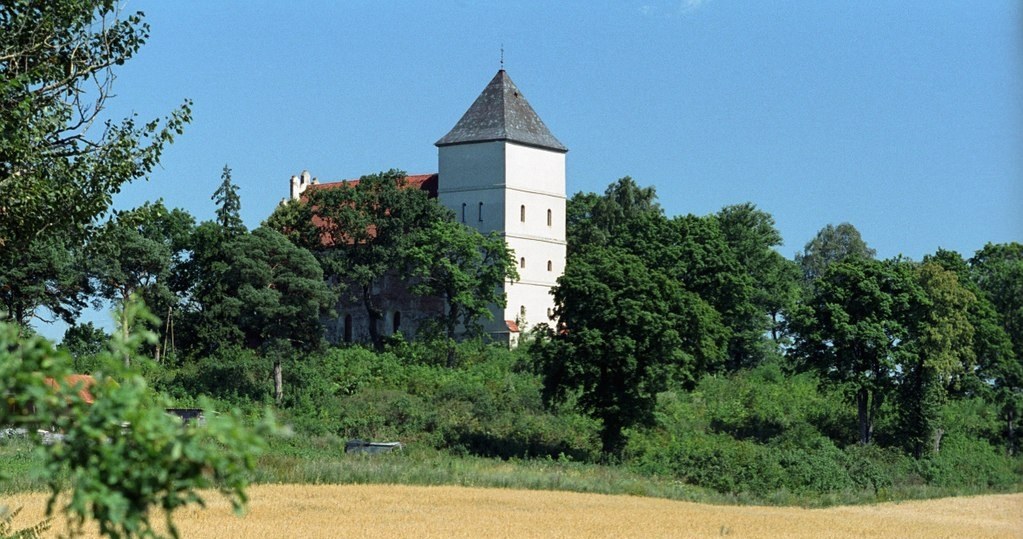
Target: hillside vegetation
[(684, 356)]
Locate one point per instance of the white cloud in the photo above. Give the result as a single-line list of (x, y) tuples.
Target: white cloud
[(672, 9), (688, 6)]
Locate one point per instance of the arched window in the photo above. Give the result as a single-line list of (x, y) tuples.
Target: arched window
[(348, 328), (397, 322), (550, 313), (522, 262), (522, 213), (463, 211), (550, 266), (550, 217), (522, 311), (481, 212)]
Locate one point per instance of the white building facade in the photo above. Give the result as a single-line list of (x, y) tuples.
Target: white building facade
[(500, 170)]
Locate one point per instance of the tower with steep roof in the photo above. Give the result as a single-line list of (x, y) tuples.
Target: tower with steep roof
[(501, 169)]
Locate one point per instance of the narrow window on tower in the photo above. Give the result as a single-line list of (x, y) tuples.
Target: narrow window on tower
[(522, 262), (550, 266), (463, 212), (550, 218), (348, 328), (396, 322), (481, 212), (522, 213)]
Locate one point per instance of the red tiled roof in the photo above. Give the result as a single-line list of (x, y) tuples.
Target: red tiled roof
[(425, 182), (82, 381), (512, 326)]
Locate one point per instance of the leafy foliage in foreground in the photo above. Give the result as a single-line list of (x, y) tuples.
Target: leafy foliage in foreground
[(122, 455)]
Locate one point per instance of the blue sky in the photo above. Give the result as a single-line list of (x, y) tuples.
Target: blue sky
[(903, 118)]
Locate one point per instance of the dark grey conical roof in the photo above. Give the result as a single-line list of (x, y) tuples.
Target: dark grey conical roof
[(501, 113)]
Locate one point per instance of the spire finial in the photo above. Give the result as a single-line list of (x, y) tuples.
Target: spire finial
[(502, 56)]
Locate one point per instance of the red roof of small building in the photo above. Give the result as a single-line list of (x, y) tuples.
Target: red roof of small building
[(82, 381)]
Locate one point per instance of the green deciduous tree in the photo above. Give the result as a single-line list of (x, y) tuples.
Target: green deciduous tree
[(124, 455), (938, 350), (627, 329), (752, 236), (58, 174), (465, 269), (831, 244), (997, 269), (365, 230), (850, 328)]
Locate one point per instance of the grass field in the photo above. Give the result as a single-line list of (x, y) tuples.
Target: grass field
[(411, 511)]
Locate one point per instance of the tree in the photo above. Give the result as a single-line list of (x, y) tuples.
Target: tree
[(997, 270), (229, 205), (259, 291), (830, 245), (618, 217), (85, 343), (704, 262), (365, 230), (850, 327), (695, 251), (464, 268), (136, 253), (56, 73), (752, 236), (47, 272), (119, 476), (280, 293), (626, 330), (939, 348), (207, 311)]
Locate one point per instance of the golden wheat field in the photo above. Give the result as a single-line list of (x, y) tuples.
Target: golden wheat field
[(407, 511)]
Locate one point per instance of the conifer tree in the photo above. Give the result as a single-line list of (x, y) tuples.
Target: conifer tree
[(229, 205)]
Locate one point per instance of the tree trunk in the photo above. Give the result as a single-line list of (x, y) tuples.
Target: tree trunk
[(452, 322), (936, 437), (374, 317), (1010, 424), (863, 414), (611, 439), (125, 330), (278, 382)]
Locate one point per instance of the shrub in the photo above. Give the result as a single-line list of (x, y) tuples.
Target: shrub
[(966, 462)]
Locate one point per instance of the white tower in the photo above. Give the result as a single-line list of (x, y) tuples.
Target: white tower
[(502, 170)]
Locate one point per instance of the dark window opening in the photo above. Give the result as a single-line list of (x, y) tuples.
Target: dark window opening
[(348, 328), (550, 217), (481, 212), (463, 212), (522, 213), (397, 322)]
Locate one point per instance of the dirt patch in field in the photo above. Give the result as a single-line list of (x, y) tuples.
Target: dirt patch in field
[(407, 511)]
